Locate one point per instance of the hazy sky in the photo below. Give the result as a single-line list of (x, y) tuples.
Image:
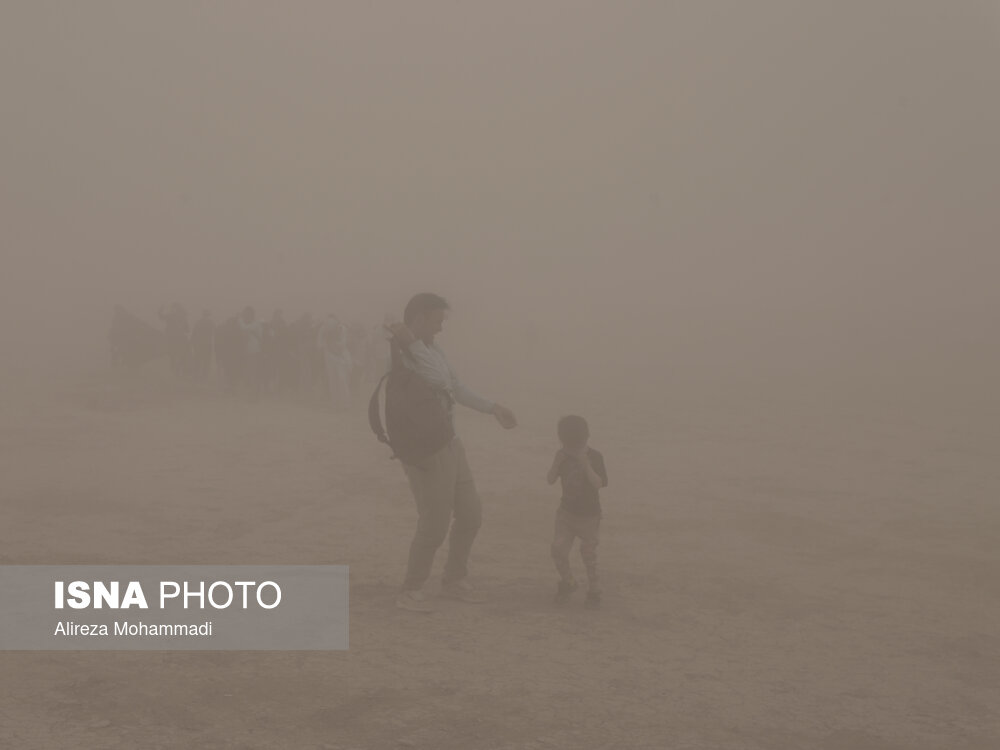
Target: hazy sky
[(605, 163)]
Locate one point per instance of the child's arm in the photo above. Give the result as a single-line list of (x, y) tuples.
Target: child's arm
[(556, 463), (601, 469)]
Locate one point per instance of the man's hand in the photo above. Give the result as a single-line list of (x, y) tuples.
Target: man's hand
[(402, 333), (504, 416)]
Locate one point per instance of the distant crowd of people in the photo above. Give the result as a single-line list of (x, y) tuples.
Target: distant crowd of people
[(306, 356)]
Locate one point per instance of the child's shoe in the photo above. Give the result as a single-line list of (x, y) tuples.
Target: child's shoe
[(563, 591), (593, 600)]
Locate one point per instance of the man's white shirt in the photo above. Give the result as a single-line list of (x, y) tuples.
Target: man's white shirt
[(430, 363)]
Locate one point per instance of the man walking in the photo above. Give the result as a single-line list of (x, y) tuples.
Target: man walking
[(442, 483), (202, 344), (253, 344), (332, 341)]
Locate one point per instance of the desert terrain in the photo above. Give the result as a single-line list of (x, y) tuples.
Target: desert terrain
[(783, 568)]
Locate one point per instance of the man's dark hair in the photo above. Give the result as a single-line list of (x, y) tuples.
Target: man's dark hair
[(573, 431), (424, 302)]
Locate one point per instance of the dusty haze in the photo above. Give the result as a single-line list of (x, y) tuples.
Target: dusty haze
[(804, 178), (757, 243)]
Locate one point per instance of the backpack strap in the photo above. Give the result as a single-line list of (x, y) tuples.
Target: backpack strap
[(374, 410), (375, 416)]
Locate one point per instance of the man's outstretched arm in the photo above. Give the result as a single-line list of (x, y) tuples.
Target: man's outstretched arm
[(431, 364), (433, 367), (467, 397)]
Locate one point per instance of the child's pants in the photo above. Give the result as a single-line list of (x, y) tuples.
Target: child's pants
[(569, 526)]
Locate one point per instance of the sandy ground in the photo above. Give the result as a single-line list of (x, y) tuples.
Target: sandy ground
[(801, 570)]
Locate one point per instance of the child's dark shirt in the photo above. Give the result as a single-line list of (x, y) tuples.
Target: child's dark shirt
[(578, 494)]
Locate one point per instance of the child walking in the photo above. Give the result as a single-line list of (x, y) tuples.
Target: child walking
[(582, 471)]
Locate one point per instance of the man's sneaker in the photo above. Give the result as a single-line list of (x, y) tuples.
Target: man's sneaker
[(593, 600), (563, 591), (462, 591), (414, 601)]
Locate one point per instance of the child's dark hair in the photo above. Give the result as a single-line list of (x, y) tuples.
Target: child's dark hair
[(573, 431)]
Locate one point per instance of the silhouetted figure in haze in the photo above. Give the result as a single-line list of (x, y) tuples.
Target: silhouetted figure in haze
[(332, 342), (582, 471), (253, 346), (268, 356), (303, 343), (442, 483), (230, 353), (305, 355), (202, 346), (382, 345), (357, 346), (281, 353), (176, 330), (376, 353)]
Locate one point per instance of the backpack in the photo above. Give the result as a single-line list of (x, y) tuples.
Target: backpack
[(417, 420)]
